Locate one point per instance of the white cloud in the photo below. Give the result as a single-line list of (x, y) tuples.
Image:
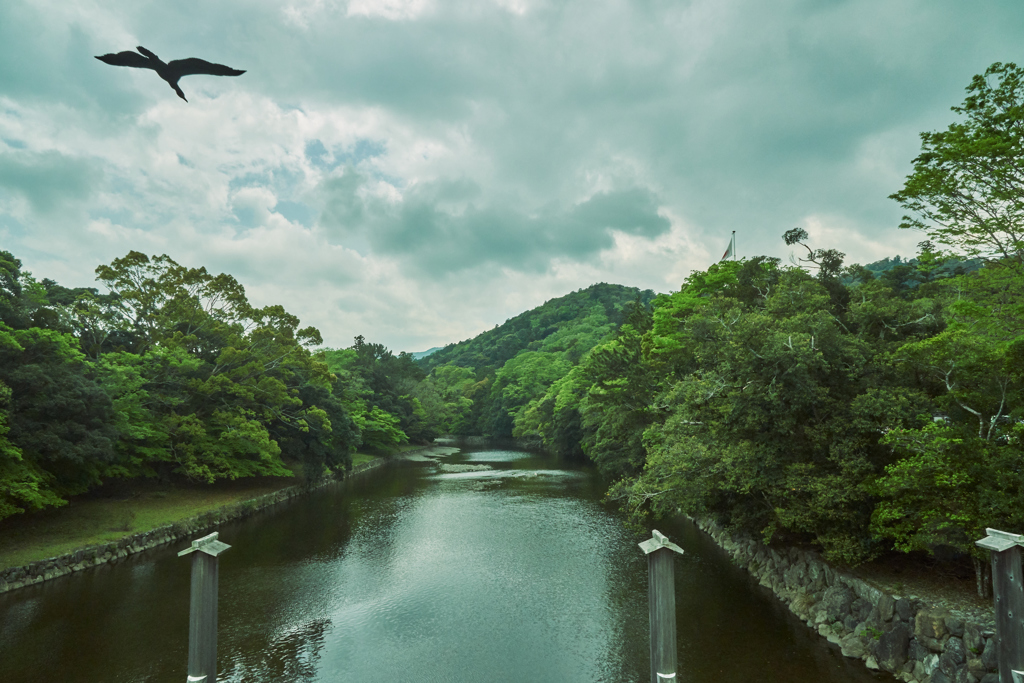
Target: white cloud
[(303, 13), (837, 232), (518, 7), (394, 10), (494, 121)]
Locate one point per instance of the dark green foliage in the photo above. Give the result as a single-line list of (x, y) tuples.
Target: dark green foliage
[(619, 402), (380, 390), (485, 353), (180, 376), (514, 364), (12, 306), (967, 190), (766, 410), (59, 417), (327, 438), (851, 415)]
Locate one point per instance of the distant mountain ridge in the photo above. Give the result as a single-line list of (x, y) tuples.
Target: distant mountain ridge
[(533, 329), (904, 271), (489, 350), (484, 382)]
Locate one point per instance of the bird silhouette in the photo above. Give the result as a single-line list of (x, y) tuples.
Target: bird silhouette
[(169, 71)]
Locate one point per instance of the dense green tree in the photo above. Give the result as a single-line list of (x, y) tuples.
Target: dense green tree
[(23, 300), (325, 439), (556, 416), (206, 376), (522, 379), (618, 405), (960, 471), (944, 491), (967, 188), (22, 484), (550, 339), (369, 393), (147, 393), (59, 417), (379, 430), (446, 395)]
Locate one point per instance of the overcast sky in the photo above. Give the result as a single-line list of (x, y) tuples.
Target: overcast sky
[(417, 171)]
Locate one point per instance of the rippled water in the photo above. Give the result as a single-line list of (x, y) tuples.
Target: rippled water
[(513, 574)]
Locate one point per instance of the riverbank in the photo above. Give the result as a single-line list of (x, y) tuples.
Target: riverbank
[(930, 635), (95, 532)]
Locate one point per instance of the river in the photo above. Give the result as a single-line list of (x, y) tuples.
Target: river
[(512, 574)]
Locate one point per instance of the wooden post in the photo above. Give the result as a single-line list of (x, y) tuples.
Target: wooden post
[(661, 595), (1008, 592), (202, 616)]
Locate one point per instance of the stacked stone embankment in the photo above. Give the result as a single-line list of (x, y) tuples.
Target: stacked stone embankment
[(903, 635), (91, 556)]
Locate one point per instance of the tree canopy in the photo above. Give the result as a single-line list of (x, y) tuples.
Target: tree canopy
[(967, 188), (174, 374)]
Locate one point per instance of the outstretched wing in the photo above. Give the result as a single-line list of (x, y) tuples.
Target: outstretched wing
[(193, 66), (127, 58)]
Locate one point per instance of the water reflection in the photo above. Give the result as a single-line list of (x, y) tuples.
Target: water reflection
[(493, 456), (515, 573), (292, 655)]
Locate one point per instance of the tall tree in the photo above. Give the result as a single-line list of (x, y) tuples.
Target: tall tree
[(214, 374), (967, 188)]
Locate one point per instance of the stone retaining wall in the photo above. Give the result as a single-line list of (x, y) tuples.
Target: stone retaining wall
[(90, 556), (901, 635)]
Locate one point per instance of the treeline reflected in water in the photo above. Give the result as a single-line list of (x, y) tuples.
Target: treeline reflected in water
[(512, 574)]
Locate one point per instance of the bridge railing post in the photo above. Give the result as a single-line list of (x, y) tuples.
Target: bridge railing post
[(202, 617), (661, 595), (1008, 594)]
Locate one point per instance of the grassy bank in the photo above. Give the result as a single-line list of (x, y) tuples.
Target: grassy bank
[(113, 512)]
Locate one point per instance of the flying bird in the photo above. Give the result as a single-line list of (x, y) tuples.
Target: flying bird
[(169, 71)]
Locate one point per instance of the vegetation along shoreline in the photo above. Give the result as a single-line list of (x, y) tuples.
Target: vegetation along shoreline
[(12, 578)]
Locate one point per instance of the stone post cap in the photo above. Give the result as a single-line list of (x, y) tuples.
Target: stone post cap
[(658, 541), (207, 544), (998, 541)]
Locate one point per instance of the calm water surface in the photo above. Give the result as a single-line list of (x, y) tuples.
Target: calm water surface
[(512, 574)]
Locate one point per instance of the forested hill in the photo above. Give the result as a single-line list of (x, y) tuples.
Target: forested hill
[(567, 324), (484, 384)]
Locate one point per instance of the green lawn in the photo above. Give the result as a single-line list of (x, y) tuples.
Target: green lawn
[(360, 458), (133, 507), (93, 520)]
